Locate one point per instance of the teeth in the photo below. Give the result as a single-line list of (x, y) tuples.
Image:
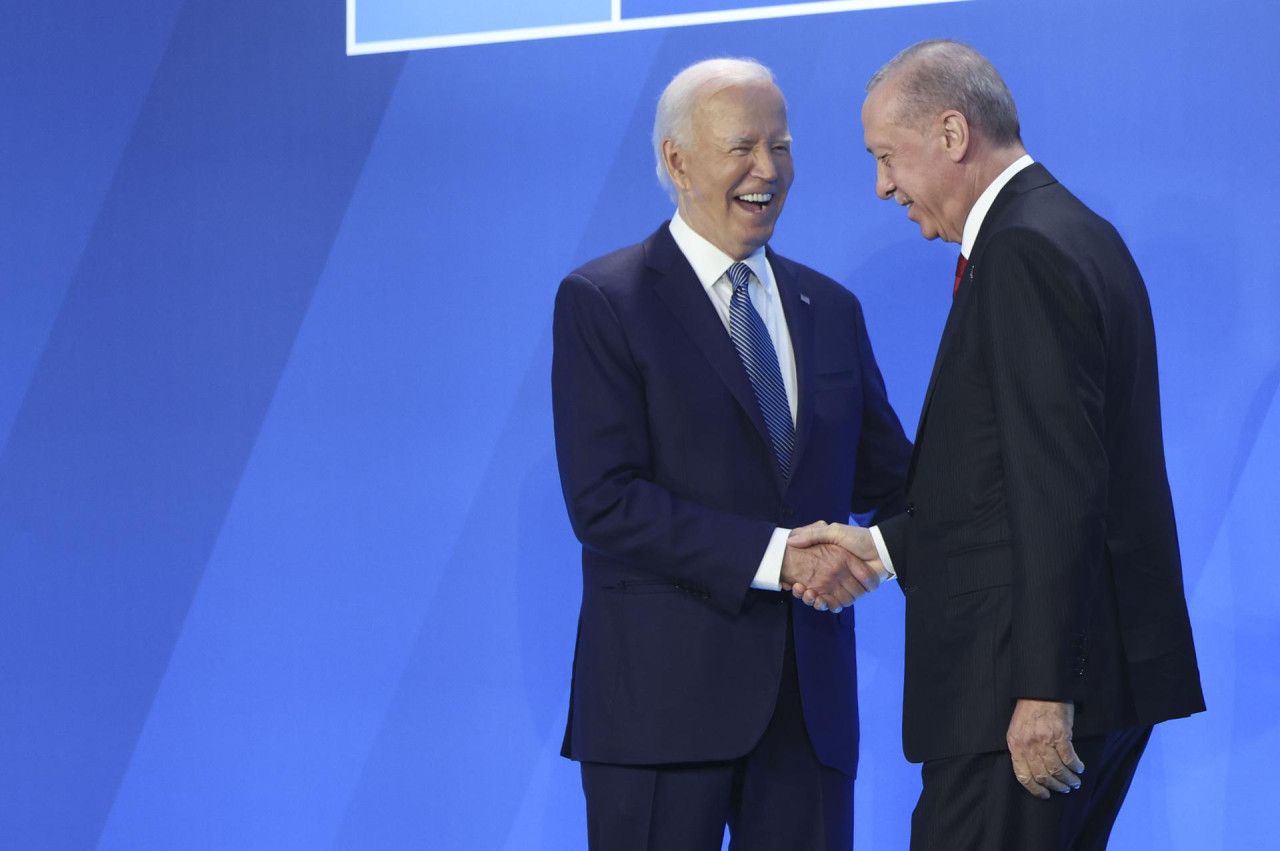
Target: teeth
[(757, 198), (903, 202)]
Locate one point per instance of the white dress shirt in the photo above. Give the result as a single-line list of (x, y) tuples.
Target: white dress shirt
[(711, 265), (973, 223)]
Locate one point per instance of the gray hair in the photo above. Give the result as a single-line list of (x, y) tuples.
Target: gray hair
[(701, 80), (941, 74)]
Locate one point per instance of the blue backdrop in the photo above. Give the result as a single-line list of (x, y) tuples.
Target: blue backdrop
[(285, 559)]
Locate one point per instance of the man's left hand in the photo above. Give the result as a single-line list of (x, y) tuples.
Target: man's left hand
[(1039, 738)]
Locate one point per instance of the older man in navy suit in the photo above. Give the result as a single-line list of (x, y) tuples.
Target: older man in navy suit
[(709, 395)]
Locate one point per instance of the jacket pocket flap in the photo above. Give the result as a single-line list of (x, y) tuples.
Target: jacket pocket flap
[(973, 570)]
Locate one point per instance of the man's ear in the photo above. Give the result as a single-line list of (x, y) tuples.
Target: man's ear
[(955, 135), (673, 158)]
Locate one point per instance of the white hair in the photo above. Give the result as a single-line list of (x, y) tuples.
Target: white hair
[(701, 80)]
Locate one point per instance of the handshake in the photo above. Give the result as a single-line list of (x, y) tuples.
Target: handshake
[(829, 565)]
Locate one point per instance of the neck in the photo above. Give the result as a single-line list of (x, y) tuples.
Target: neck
[(996, 160), (986, 167)]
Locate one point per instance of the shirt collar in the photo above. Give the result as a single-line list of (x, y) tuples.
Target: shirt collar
[(982, 206), (710, 263)]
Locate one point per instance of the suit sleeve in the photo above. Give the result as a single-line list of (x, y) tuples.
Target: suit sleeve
[(602, 447), (1041, 338), (883, 448)]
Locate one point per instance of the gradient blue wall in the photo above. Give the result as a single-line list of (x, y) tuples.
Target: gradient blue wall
[(285, 563)]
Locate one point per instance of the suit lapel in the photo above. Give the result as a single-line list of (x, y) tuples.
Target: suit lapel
[(678, 286), (948, 331), (799, 315), (1033, 176)]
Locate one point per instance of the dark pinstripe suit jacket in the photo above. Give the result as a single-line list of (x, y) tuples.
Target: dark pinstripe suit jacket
[(674, 491), (1038, 554)]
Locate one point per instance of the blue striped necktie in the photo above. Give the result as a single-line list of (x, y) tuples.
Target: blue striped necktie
[(755, 348)]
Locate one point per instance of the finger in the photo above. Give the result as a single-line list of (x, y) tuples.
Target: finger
[(807, 536), (848, 584), (866, 575), (1067, 778), (1072, 765), (833, 604), (1022, 772), (801, 530), (1045, 772), (1052, 783), (1067, 753), (801, 533)]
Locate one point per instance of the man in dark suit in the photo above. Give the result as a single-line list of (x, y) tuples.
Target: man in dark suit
[(1047, 627), (709, 395)]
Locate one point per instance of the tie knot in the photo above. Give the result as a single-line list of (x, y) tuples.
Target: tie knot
[(740, 275)]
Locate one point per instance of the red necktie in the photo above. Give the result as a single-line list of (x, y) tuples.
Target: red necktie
[(961, 262)]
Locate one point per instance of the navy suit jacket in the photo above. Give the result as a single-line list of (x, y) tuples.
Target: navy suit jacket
[(674, 492), (1038, 552)]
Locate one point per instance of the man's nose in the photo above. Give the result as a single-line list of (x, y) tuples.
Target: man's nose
[(764, 166), (884, 186)]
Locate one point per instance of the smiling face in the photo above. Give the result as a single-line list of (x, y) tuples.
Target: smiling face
[(733, 173), (917, 166)]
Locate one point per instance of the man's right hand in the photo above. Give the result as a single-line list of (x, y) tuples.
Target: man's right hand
[(860, 555), (826, 576)]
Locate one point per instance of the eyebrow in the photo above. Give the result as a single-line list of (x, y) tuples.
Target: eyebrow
[(740, 140)]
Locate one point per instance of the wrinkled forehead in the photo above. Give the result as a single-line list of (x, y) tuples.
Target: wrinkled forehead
[(897, 102), (757, 105), (882, 103)]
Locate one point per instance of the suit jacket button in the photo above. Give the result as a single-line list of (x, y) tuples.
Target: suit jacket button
[(911, 509)]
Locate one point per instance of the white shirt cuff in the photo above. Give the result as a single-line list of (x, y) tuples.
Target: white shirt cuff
[(883, 552), (769, 573)]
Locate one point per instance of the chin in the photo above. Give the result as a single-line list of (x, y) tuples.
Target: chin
[(762, 234)]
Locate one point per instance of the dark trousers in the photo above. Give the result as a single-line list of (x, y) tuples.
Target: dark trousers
[(974, 803), (776, 798)]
